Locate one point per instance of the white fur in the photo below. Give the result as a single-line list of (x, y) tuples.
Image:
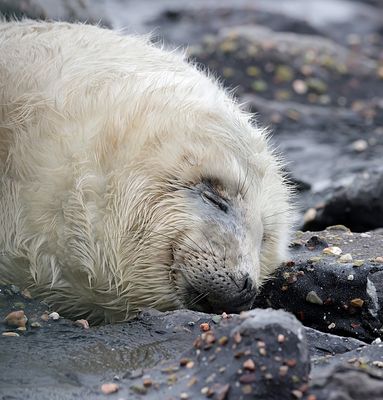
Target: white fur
[(94, 129)]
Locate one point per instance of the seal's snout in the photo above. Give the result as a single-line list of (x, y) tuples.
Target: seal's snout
[(234, 298)]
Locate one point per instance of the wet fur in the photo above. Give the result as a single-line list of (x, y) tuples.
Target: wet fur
[(102, 137)]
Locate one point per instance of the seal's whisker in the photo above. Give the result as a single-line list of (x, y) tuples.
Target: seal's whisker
[(198, 298)]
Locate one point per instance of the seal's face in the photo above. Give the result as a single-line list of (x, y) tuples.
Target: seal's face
[(214, 267), (231, 229)]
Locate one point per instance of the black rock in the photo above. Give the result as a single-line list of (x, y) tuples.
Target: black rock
[(345, 298)]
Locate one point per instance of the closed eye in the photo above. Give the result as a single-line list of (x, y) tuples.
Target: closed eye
[(215, 200)]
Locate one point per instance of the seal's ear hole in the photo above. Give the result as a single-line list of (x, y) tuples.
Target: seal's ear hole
[(215, 200)]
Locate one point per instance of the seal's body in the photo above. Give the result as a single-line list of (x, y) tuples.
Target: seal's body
[(129, 178)]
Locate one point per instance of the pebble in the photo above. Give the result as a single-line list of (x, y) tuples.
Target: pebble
[(310, 215), (35, 324), (350, 277), (379, 260), (109, 388), (345, 258), (312, 297), (359, 145), (357, 302), (10, 334), (300, 86), (184, 396), (54, 315), (378, 364), (333, 251), (249, 365), (331, 326), (281, 338), (82, 323), (16, 319), (204, 327)]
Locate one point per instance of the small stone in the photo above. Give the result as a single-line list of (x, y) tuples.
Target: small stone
[(247, 389), (377, 341), (345, 258), (204, 327), (205, 390), (331, 326), (184, 361), (312, 297), (350, 277), (248, 378), (45, 317), (35, 324), (259, 85), (184, 396), (358, 263), (16, 319), (223, 340), (249, 365), (109, 388), (297, 394), (10, 334), (359, 145), (253, 71), (82, 323), (139, 389), (357, 302), (190, 364), (311, 397), (147, 382), (21, 328), (54, 315), (237, 337), (281, 338), (332, 251), (378, 364), (283, 370), (284, 73), (309, 215), (379, 260), (365, 235), (300, 86), (262, 351)]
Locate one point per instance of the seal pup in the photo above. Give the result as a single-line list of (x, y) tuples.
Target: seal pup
[(130, 178)]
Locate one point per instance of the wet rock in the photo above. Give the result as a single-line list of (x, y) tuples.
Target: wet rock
[(62, 10), (327, 292), (358, 204), (239, 368)]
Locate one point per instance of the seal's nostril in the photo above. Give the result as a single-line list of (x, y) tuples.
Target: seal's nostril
[(247, 284)]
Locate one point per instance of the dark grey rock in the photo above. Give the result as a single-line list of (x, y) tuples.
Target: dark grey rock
[(62, 10), (358, 204), (341, 298)]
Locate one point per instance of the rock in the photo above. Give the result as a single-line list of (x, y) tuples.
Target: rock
[(358, 204), (16, 319), (328, 294), (229, 368), (62, 10)]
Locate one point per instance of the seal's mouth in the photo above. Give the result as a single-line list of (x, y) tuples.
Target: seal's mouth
[(210, 303)]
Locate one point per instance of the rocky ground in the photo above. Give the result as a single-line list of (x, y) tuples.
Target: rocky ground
[(313, 71)]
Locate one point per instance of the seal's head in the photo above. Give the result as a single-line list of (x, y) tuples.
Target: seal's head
[(215, 215)]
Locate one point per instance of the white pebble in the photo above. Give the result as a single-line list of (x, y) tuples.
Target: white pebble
[(359, 145), (350, 277), (333, 250), (54, 315), (345, 258)]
